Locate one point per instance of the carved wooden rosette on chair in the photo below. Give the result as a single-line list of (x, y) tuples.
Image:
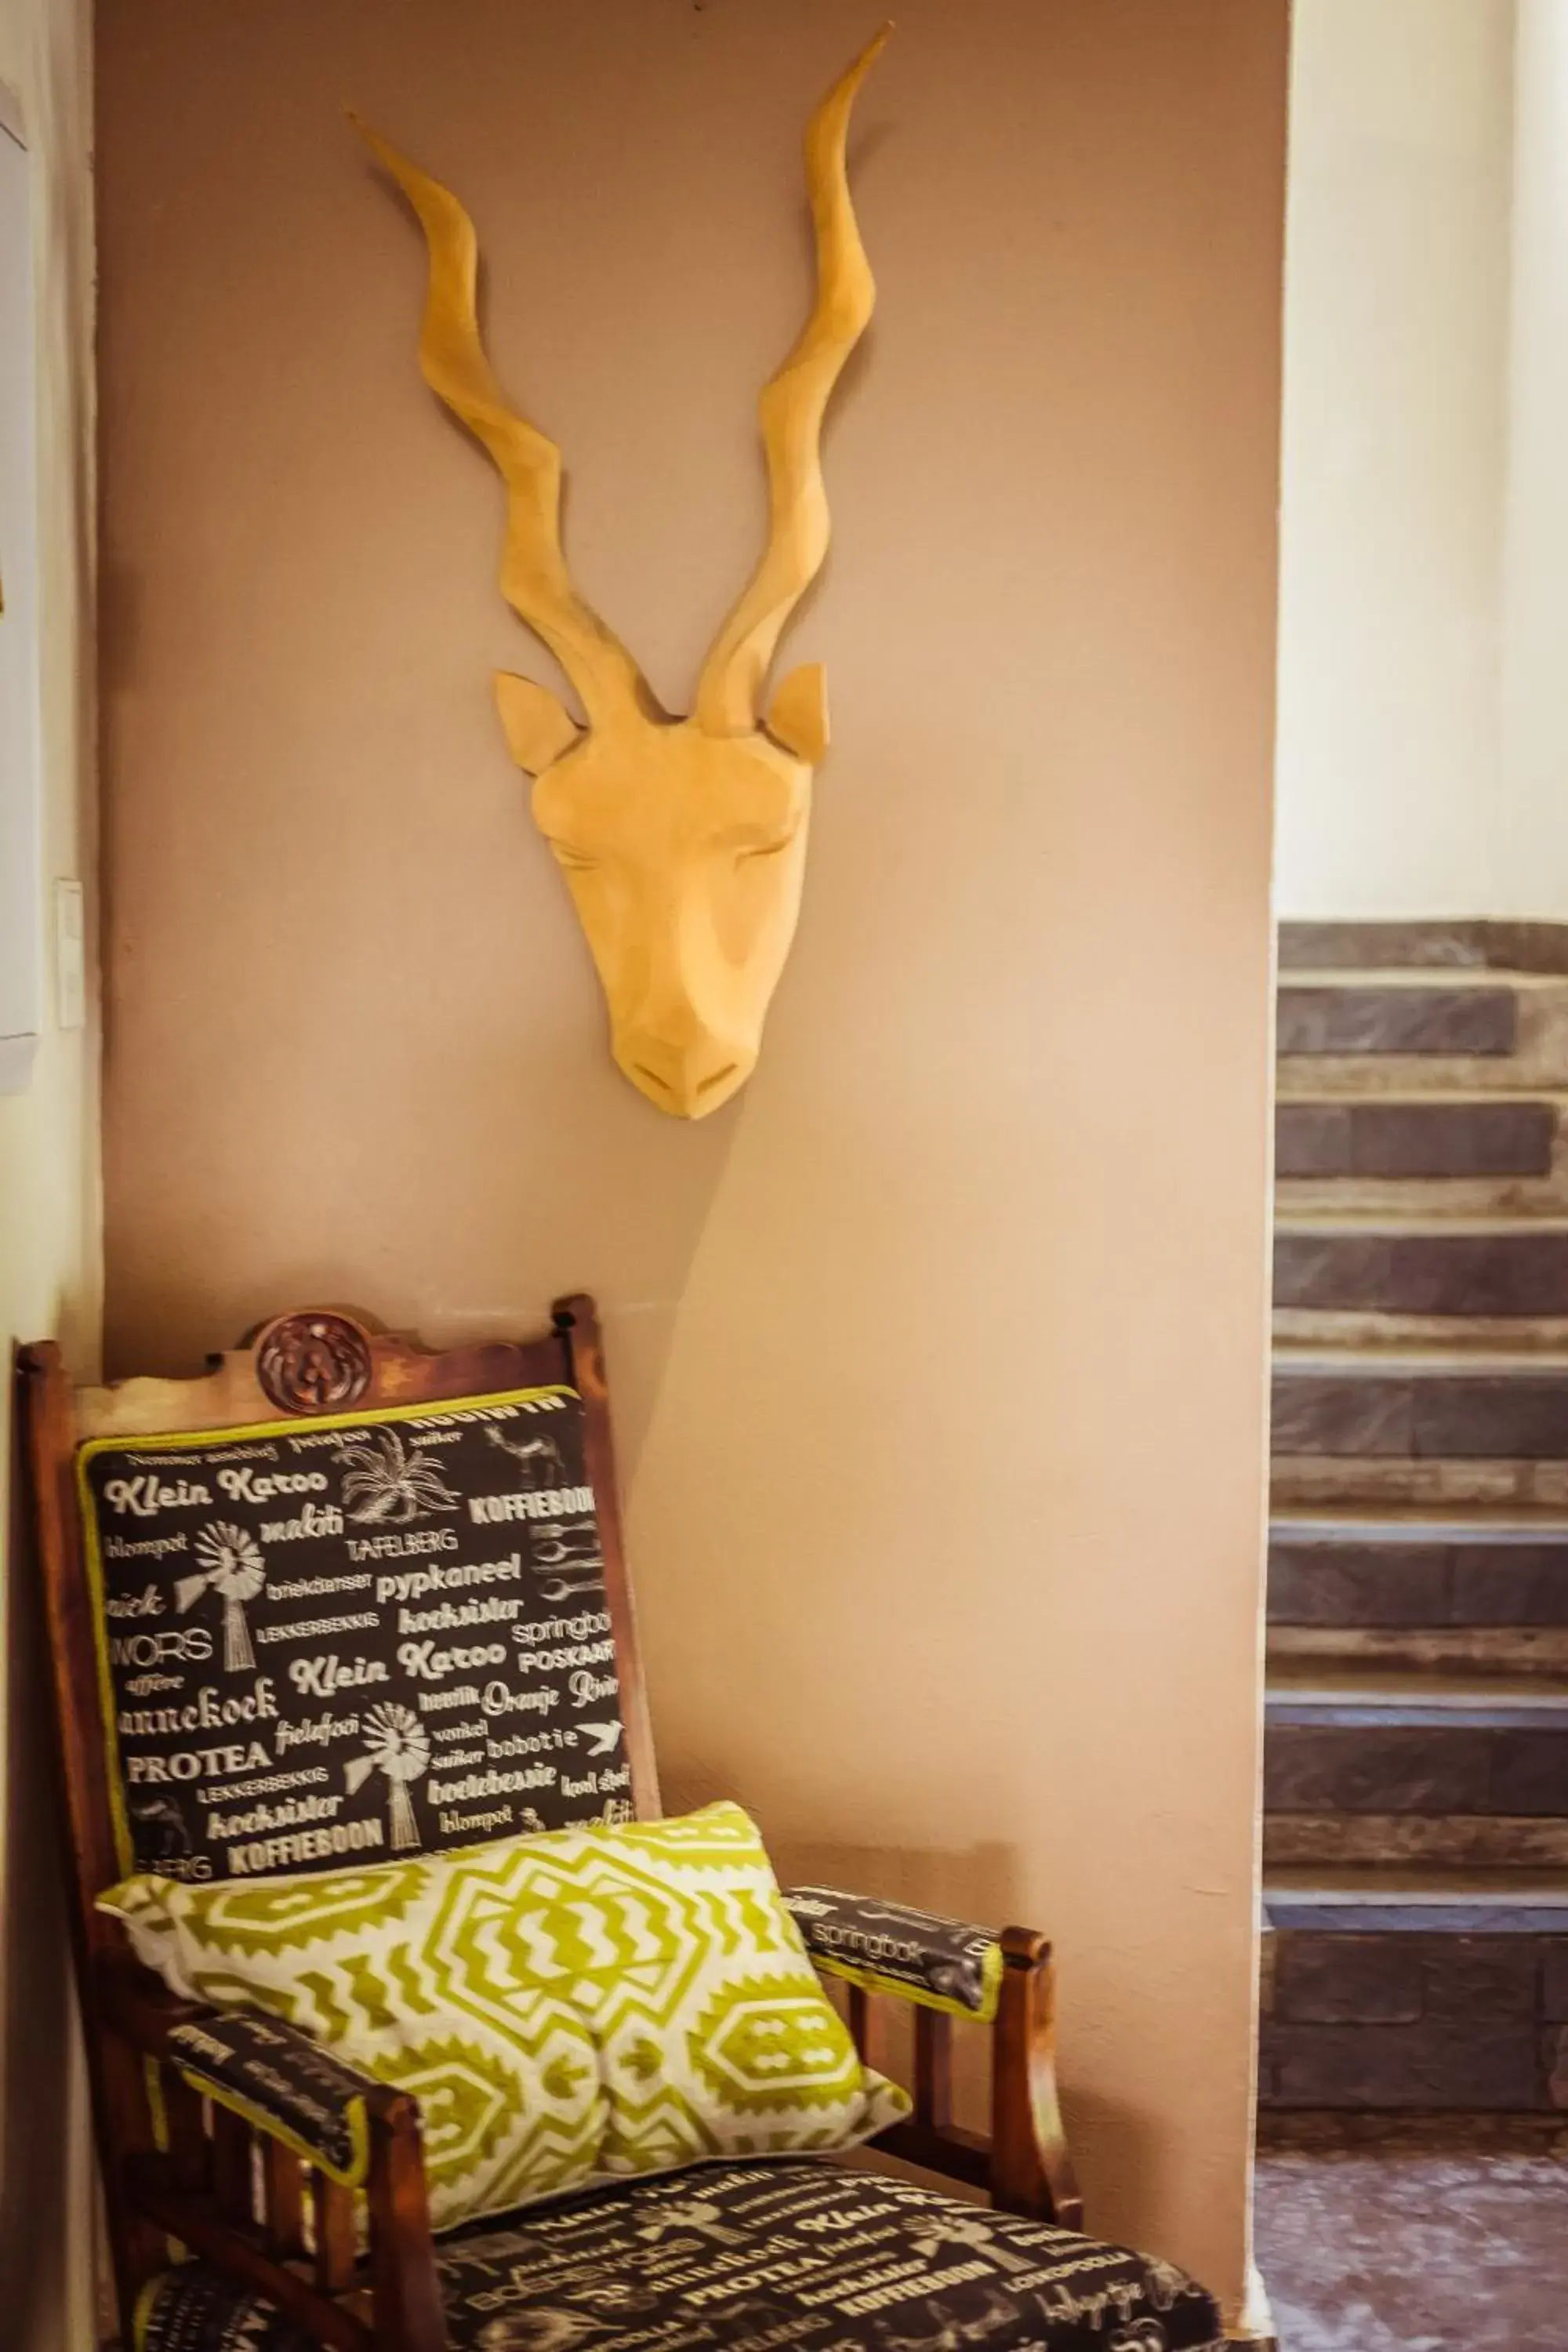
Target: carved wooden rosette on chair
[(682, 839)]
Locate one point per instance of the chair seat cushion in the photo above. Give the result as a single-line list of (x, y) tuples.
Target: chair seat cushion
[(757, 2257)]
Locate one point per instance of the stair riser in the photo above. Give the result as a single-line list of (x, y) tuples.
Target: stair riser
[(1464, 1416), (1366, 1040), (1503, 1274), (1427, 1018), (1451, 1842), (1415, 1768), (1415, 2021), (1465, 944), (1420, 1585), (1390, 1142)]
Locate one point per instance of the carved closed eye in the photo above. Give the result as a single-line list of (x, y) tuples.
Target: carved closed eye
[(768, 848), (572, 860)]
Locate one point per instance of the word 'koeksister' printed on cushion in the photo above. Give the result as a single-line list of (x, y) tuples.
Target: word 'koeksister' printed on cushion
[(354, 1637)]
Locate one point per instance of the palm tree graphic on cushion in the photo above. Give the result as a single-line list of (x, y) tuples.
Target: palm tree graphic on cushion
[(397, 1744), (389, 1482), (232, 1566)]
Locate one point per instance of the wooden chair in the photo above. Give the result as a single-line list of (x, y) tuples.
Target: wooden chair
[(231, 2184)]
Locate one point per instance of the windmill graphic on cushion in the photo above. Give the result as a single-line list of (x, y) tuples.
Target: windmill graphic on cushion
[(232, 1566), (396, 1744)]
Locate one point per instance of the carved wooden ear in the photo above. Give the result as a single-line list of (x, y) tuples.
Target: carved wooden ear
[(797, 715), (537, 726)]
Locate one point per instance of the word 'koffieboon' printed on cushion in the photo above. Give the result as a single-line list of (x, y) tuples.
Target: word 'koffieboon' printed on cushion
[(890, 1947), (755, 2258), (352, 1638), (284, 2081), (566, 2008)]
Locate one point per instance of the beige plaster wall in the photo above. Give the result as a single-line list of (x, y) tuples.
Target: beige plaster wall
[(49, 1254), (1392, 800), (939, 1355)]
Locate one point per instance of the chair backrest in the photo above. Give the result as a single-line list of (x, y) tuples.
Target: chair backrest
[(342, 1597)]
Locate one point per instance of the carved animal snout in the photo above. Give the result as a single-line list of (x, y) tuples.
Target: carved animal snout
[(685, 1057), (686, 1079)]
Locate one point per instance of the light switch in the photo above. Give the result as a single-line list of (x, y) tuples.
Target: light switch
[(70, 956)]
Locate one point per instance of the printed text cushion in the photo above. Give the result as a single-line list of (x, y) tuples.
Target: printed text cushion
[(757, 2258), (349, 1636), (568, 2007)]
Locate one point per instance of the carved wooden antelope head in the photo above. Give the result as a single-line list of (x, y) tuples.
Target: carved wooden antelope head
[(682, 840)]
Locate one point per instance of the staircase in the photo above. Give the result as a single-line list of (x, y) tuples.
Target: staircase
[(1416, 1743)]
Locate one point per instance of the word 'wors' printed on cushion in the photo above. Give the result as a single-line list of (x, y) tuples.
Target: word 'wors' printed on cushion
[(353, 1638), (567, 2007)]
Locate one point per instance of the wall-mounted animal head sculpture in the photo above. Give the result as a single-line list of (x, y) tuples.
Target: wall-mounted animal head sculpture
[(682, 840)]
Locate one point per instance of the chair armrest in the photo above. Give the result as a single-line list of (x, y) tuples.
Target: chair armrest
[(283, 2083), (892, 1949), (1000, 1978), (261, 2068), (352, 2135)]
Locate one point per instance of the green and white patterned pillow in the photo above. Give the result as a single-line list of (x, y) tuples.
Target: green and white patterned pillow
[(567, 2009)]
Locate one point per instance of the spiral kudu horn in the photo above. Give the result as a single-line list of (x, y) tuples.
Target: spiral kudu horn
[(533, 575), (791, 410)]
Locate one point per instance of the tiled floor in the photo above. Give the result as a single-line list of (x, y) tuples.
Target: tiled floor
[(1458, 2245)]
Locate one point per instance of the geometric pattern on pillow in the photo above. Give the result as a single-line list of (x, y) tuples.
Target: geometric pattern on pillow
[(579, 2006)]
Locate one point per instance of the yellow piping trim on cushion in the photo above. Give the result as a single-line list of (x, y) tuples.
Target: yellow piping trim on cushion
[(169, 1439), (358, 2169), (896, 1989), (142, 2310), (157, 2104)]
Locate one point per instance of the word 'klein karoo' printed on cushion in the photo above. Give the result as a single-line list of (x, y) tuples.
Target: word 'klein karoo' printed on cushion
[(353, 1638)]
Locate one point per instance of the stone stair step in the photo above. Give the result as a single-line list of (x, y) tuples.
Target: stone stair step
[(1503, 1270), (1324, 1137), (1370, 1483), (1371, 1334), (1369, 1035), (1362, 1014), (1517, 1652), (1436, 1408), (1466, 943), (1415, 1992), (1403, 1572), (1512, 1900), (1412, 1745), (1449, 1840)]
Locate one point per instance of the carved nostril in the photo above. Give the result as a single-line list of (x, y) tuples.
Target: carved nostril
[(644, 1071), (706, 1086)]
